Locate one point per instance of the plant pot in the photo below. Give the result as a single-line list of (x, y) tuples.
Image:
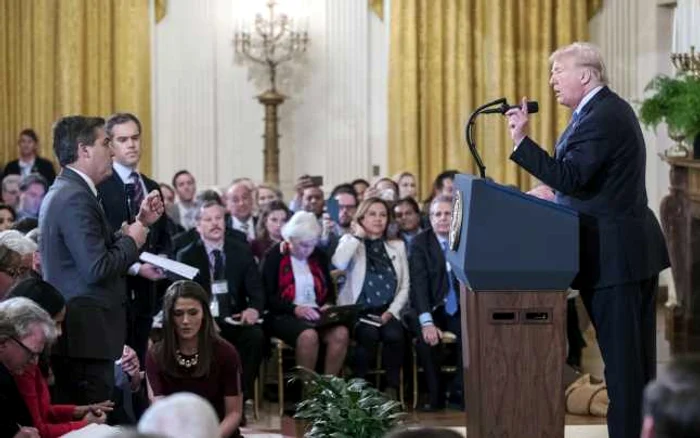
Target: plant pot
[(696, 147), (291, 427)]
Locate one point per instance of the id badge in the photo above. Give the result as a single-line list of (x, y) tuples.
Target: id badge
[(214, 308), (219, 288)]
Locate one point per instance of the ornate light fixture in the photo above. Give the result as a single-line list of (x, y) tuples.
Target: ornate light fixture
[(687, 62), (273, 40)]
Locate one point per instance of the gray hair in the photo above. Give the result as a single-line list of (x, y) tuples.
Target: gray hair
[(18, 242), (587, 55), (19, 315), (201, 206), (10, 179), (181, 415), (438, 200), (302, 226), (34, 235)]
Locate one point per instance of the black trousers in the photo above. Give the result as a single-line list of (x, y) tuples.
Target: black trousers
[(250, 344), (624, 317), (82, 381), (368, 337), (573, 334), (432, 358)]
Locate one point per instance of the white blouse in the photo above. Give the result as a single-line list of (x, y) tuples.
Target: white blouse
[(303, 283)]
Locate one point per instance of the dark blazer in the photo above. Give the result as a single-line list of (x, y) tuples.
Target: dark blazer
[(270, 276), (114, 201), (242, 275), (429, 277), (42, 166), (192, 235), (599, 170), (86, 262), (14, 410)]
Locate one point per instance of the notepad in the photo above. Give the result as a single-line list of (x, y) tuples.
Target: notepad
[(181, 269)]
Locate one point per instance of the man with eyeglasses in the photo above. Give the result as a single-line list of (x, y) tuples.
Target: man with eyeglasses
[(25, 329)]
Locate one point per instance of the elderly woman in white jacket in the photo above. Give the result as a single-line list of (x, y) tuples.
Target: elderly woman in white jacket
[(378, 279)]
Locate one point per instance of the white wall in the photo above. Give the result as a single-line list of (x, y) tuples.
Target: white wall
[(635, 37), (206, 118)]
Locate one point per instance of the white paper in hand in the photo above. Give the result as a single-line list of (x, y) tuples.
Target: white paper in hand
[(173, 266)]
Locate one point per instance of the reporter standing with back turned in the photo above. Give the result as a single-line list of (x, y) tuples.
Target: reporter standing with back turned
[(599, 171)]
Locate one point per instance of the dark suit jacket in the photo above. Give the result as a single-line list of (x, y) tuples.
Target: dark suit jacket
[(192, 235), (86, 262), (599, 171), (242, 275), (42, 166), (14, 410), (114, 200), (270, 269), (429, 277)]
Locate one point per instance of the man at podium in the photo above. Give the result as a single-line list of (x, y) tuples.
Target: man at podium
[(598, 169)]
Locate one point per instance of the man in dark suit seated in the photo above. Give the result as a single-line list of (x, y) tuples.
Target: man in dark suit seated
[(87, 262), (435, 302), (228, 270), (121, 195), (239, 203), (598, 169), (32, 189), (29, 161), (187, 237)]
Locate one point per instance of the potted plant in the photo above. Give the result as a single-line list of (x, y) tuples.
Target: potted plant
[(675, 101), (343, 408)]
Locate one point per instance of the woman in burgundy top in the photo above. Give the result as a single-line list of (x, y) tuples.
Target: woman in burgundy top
[(192, 357), (268, 231)]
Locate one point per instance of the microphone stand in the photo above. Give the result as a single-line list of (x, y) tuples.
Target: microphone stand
[(469, 133)]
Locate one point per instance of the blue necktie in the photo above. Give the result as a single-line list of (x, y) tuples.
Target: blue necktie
[(451, 304), (561, 144)]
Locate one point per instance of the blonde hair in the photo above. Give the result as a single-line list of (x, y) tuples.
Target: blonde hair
[(586, 55)]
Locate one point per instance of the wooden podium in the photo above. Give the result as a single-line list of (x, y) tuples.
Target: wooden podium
[(515, 257)]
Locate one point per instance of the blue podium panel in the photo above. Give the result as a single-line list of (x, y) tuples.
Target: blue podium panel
[(509, 240)]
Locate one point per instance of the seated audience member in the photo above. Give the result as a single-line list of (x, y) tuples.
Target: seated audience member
[(269, 228), (183, 239), (32, 189), (186, 188), (347, 206), (408, 219), (182, 415), (25, 329), (10, 190), (22, 245), (672, 401), (7, 217), (239, 203), (25, 225), (172, 214), (312, 201), (442, 185), (192, 357), (10, 269), (267, 193), (227, 269), (303, 182), (435, 302), (49, 419), (408, 187), (29, 161), (377, 278), (384, 188), (360, 185), (298, 284)]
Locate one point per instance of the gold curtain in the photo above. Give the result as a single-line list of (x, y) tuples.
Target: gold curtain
[(67, 57), (449, 56)]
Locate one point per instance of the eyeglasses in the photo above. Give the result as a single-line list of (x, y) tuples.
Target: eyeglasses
[(33, 355)]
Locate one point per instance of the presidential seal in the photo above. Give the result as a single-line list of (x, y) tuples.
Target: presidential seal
[(456, 222)]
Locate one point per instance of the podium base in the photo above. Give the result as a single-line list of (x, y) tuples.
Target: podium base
[(514, 347)]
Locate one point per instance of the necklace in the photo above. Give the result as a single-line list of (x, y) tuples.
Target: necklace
[(186, 361)]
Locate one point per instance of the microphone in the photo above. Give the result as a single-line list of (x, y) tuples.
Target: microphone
[(130, 191), (532, 107)]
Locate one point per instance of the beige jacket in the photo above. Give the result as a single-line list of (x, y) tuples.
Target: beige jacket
[(350, 256)]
